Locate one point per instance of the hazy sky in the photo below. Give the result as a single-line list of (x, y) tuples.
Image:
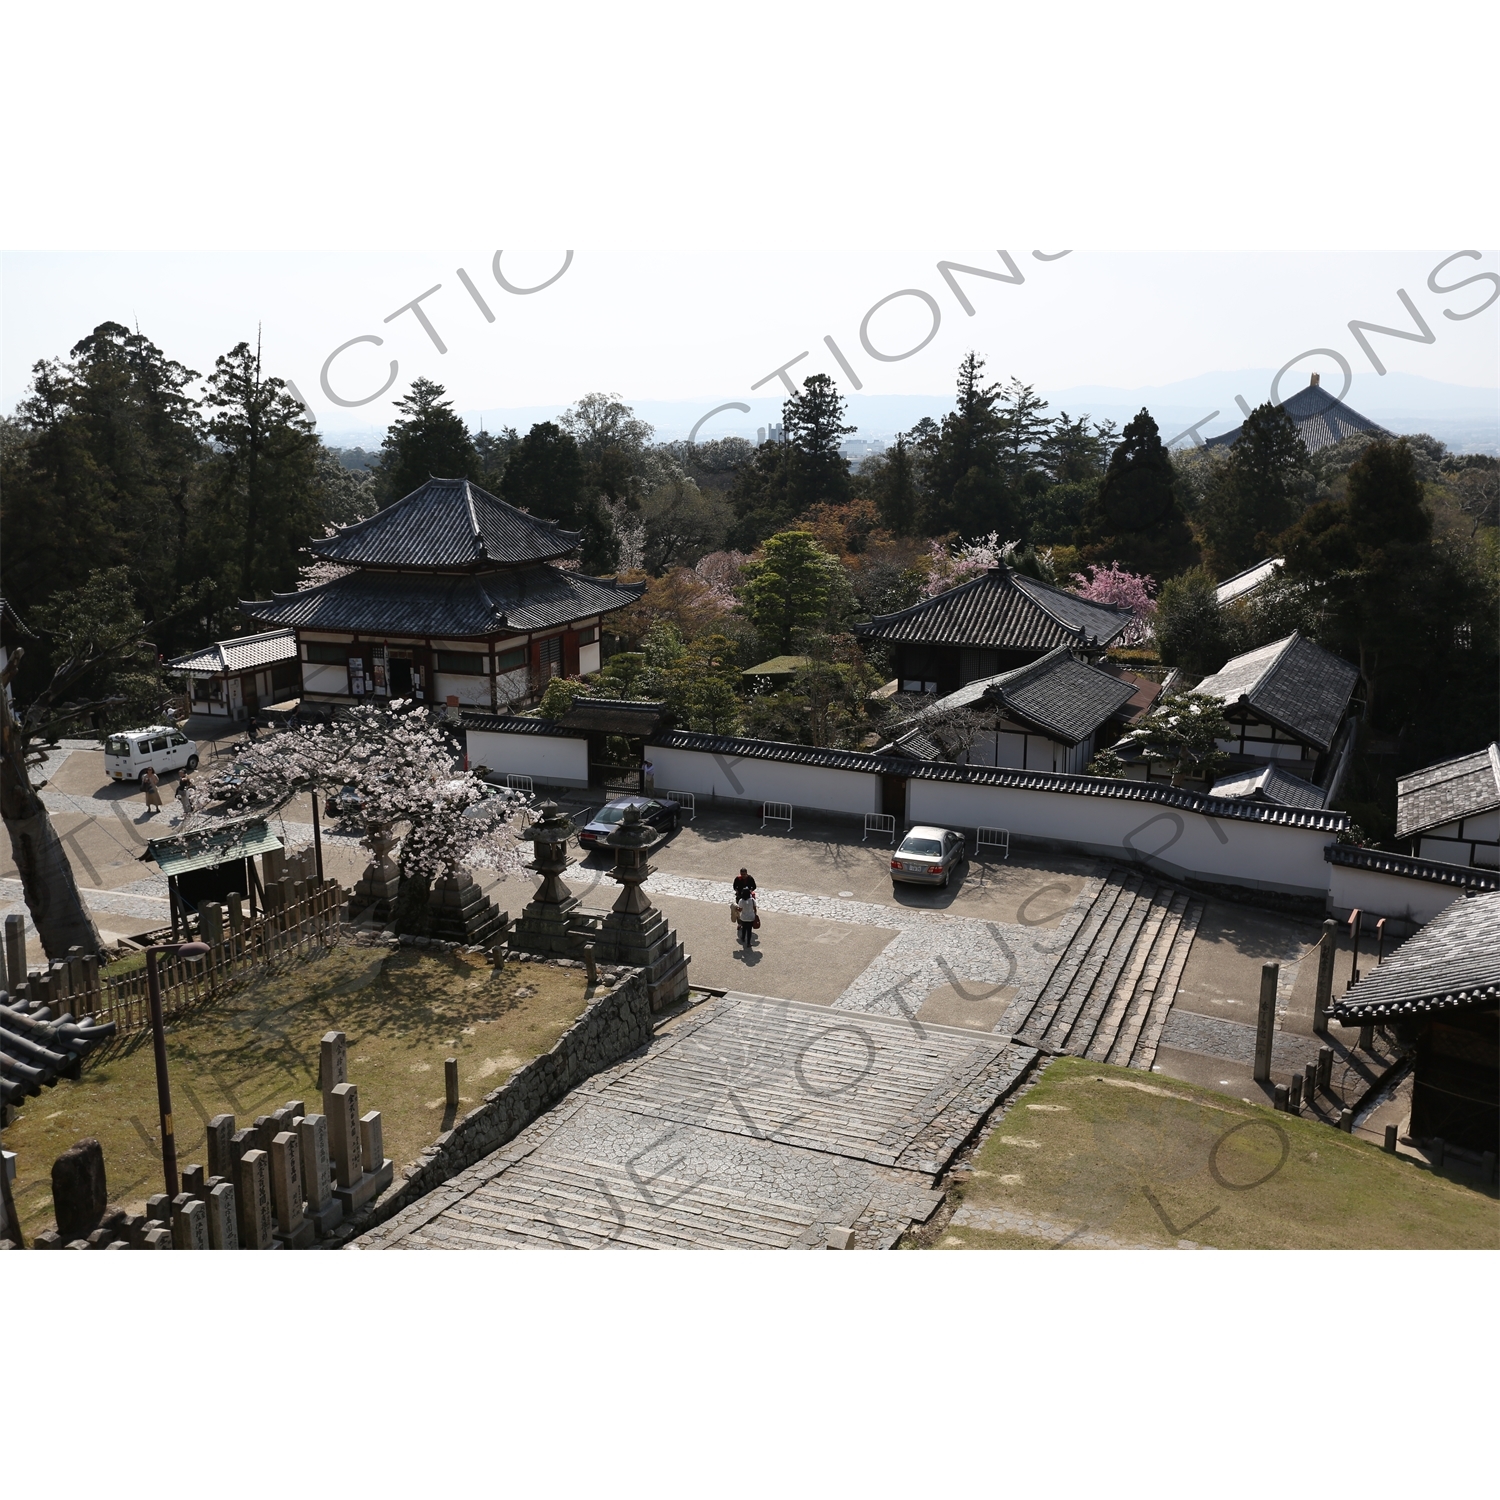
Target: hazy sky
[(709, 325)]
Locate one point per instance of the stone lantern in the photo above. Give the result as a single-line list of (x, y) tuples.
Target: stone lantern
[(379, 886), (546, 923), (634, 932)]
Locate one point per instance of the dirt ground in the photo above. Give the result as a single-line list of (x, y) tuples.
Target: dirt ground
[(404, 1012)]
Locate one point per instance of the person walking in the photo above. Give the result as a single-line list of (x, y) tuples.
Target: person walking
[(747, 917), (151, 785), (743, 882), (185, 796)]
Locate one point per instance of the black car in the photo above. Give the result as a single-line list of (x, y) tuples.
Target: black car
[(661, 813), (344, 803)]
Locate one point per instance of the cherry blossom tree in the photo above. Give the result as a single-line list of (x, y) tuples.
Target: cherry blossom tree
[(948, 566), (722, 572), (400, 765), (1113, 585)]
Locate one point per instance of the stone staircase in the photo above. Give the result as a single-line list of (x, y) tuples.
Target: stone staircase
[(1109, 995)]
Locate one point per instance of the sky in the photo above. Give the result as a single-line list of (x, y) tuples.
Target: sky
[(688, 330)]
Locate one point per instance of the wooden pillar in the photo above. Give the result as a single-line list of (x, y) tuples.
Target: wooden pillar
[(1265, 1029)]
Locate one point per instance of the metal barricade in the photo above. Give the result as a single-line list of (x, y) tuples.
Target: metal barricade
[(992, 838), (687, 801), (880, 823), (776, 812)]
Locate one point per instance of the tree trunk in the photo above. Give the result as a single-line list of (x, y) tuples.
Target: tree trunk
[(57, 910)]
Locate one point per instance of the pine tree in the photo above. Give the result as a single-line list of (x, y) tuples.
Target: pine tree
[(814, 427), (428, 441), (1135, 519), (1262, 489), (967, 489)]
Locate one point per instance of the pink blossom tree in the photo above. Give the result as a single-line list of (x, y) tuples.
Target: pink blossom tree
[(947, 567), (1113, 585), (723, 573)]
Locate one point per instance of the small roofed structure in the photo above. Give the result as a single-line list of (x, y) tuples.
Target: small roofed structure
[(210, 862), (1451, 811), (1287, 702), (234, 679), (1441, 992), (778, 671), (1000, 620), (1269, 783), (1044, 716), (624, 716), (1247, 582), (1319, 416)]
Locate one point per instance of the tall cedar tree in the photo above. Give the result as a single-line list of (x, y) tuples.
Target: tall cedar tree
[(545, 476), (895, 488), (785, 479), (428, 441), (1135, 519), (967, 488), (99, 471), (1262, 489), (263, 477)]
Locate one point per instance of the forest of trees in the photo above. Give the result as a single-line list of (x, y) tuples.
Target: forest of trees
[(197, 491)]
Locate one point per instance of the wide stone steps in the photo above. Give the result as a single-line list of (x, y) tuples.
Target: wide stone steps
[(839, 1081), (1109, 994), (573, 1203)]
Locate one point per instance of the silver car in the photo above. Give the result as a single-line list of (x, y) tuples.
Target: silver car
[(927, 856)]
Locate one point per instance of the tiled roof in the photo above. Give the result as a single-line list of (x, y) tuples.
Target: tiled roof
[(243, 654), (1269, 784), (1057, 694), (451, 604), (1439, 872), (917, 746), (1458, 788), (1320, 417), (447, 523), (626, 716), (38, 1052), (517, 724), (1003, 610), (1293, 684), (1037, 781), (1453, 963), (1248, 581)]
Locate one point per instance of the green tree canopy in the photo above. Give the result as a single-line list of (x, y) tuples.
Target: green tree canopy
[(1135, 518), (545, 476), (1263, 487), (788, 588), (967, 459), (427, 441)]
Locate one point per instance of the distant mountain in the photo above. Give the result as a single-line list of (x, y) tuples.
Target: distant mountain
[(1467, 418)]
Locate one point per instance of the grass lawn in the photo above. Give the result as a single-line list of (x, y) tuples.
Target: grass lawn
[(1114, 1155), (404, 1011)]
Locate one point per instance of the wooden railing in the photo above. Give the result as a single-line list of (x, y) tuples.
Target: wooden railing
[(241, 948)]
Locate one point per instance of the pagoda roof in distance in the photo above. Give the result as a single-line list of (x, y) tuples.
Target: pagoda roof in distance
[(448, 525), (1319, 416)]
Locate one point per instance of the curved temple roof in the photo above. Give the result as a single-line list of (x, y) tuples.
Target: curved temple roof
[(447, 524)]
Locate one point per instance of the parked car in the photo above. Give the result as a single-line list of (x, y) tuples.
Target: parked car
[(927, 856), (162, 747), (661, 813), (229, 784), (344, 803)]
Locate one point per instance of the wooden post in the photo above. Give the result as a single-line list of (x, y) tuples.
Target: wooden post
[(1354, 920), (1265, 1029), (1380, 942), (1323, 996), (450, 1081)]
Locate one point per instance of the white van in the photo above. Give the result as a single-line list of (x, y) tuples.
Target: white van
[(162, 747)]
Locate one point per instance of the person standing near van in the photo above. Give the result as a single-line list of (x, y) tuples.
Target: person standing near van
[(747, 917), (151, 785), (185, 796)]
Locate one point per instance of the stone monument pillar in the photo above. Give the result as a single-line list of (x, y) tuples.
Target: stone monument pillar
[(545, 923), (379, 886), (634, 932)]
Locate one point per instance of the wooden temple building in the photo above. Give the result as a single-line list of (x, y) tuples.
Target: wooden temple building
[(451, 597)]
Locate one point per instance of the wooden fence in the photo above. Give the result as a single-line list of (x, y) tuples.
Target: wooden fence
[(241, 948)]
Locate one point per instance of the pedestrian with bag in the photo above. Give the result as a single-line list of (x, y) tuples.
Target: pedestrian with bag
[(747, 917), (185, 797), (743, 882), (151, 785)]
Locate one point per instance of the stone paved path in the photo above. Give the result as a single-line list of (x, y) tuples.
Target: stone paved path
[(748, 1122)]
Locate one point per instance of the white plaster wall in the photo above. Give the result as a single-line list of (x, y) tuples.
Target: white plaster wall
[(468, 689), (810, 787), (557, 762), (1270, 856), (319, 678), (1384, 895), (588, 658)]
